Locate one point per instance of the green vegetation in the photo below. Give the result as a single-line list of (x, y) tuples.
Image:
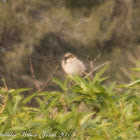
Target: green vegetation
[(92, 108), (108, 112)]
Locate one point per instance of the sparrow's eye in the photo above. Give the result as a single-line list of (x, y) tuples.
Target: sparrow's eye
[(65, 58), (71, 56)]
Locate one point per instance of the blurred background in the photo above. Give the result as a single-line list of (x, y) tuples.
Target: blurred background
[(45, 30)]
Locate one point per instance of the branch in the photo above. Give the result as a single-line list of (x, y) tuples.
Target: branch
[(90, 73), (90, 60), (96, 57), (47, 82), (33, 75)]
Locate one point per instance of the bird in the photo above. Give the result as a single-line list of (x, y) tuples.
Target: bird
[(72, 65)]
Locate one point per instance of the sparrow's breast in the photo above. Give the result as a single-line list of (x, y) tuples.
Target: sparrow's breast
[(74, 67)]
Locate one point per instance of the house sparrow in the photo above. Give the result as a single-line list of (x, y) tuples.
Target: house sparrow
[(72, 65)]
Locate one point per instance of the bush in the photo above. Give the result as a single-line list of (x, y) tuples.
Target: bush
[(88, 109)]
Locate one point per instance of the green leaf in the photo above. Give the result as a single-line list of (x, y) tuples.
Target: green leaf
[(133, 83), (103, 79), (63, 85), (101, 72), (53, 95), (127, 111), (29, 98), (96, 119), (16, 102), (80, 98), (39, 101), (86, 117), (136, 69), (97, 77), (3, 119), (14, 92), (45, 93), (65, 117), (36, 123), (86, 87), (30, 109), (82, 83)]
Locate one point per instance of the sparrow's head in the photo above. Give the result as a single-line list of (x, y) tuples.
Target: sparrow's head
[(69, 57)]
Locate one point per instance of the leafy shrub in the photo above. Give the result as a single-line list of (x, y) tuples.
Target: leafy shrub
[(88, 109)]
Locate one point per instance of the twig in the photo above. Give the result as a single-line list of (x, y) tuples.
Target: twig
[(96, 69), (33, 75), (90, 61), (69, 84), (47, 82), (88, 57), (96, 57)]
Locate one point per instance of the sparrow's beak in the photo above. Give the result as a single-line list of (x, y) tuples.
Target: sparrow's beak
[(64, 58)]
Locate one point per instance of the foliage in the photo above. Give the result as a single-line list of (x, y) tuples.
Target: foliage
[(88, 109), (46, 29)]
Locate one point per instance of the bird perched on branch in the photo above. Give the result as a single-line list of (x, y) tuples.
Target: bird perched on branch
[(72, 65)]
